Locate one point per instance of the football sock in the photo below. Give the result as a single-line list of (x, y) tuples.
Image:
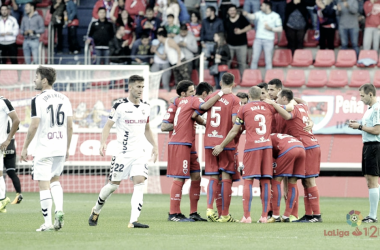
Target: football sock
[(57, 194), (247, 197), (291, 200), (104, 194), (379, 192), (2, 188), (314, 200), (15, 180), (308, 210), (296, 203), (373, 202), (211, 192), (276, 197), (195, 191), (226, 196), (46, 204), (175, 197), (265, 198), (218, 200), (137, 201)]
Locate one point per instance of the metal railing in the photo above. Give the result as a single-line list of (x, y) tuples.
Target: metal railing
[(87, 54), (51, 39)]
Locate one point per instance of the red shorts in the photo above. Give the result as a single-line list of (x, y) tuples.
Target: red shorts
[(313, 162), (194, 162), (291, 164), (223, 162), (179, 161), (258, 164), (236, 176)]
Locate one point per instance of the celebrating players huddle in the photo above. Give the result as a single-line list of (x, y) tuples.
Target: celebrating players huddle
[(279, 146)]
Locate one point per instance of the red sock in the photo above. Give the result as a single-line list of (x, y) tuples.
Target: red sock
[(308, 210), (247, 197), (291, 201), (175, 197), (265, 198), (195, 191), (296, 203), (211, 192), (218, 200), (276, 197), (314, 199), (226, 196)]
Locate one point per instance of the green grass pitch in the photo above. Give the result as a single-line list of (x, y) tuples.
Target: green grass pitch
[(18, 225)]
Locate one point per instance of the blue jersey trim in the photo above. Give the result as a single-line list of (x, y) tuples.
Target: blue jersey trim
[(250, 198), (212, 147), (311, 147), (222, 194), (252, 176), (292, 198), (279, 194), (266, 176), (165, 121), (295, 146), (211, 173), (196, 111), (193, 152), (210, 191), (237, 123), (298, 176), (180, 143), (311, 176), (195, 171), (254, 149), (234, 114), (228, 172), (178, 176), (236, 180), (200, 105)]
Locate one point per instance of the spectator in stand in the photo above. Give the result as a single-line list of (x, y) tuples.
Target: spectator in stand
[(170, 27), (106, 4), (210, 25), (205, 4), (186, 41), (134, 7), (18, 8), (175, 57), (221, 57), (251, 6), (310, 6), (72, 26), (127, 22), (267, 23), (116, 10), (173, 9), (161, 61), (141, 54), (148, 25), (347, 10), (101, 32), (372, 25), (279, 7), (32, 27), (224, 5), (119, 48), (8, 33), (327, 23), (160, 9), (56, 10), (236, 27), (184, 16), (195, 27), (192, 6), (295, 24)]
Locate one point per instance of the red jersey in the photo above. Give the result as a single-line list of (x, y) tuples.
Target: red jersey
[(169, 116), (182, 120), (219, 120), (282, 143), (278, 124), (257, 117), (128, 33), (195, 29), (295, 126)]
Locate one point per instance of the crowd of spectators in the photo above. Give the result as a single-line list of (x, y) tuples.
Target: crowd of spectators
[(165, 33)]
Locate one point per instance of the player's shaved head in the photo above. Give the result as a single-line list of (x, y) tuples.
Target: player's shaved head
[(228, 79), (183, 86), (47, 73), (287, 93), (255, 93)]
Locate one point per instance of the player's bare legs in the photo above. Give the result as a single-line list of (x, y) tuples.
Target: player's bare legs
[(194, 194), (137, 202), (373, 187), (247, 200), (226, 198), (212, 192), (57, 194)]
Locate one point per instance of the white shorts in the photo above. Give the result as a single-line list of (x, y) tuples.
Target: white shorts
[(46, 168), (123, 167)]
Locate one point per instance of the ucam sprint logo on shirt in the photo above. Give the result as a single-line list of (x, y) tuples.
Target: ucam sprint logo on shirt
[(215, 134), (262, 139)]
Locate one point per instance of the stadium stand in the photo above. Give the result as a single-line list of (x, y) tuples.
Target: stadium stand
[(359, 77), (295, 78), (274, 73), (317, 79), (251, 77), (302, 58), (324, 58), (337, 79), (346, 59)]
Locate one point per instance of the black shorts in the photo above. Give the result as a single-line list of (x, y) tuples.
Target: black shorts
[(10, 156), (371, 158)]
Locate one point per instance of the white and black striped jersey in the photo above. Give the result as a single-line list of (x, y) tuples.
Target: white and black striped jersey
[(52, 108), (130, 121), (5, 108)]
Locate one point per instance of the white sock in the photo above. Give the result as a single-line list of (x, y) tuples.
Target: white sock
[(137, 201), (104, 194), (46, 204), (2, 187), (57, 194)]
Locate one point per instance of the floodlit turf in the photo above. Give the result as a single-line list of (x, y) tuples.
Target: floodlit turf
[(18, 225)]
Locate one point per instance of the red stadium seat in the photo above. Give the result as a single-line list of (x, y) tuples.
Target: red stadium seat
[(261, 62), (251, 77), (346, 58), (317, 79), (337, 79), (274, 73), (19, 39), (295, 78), (282, 58), (101, 75), (44, 4), (283, 41), (41, 13), (8, 77), (309, 40), (209, 78), (302, 58), (359, 77), (325, 58), (376, 79), (372, 54), (47, 18), (195, 77), (236, 74), (251, 37)]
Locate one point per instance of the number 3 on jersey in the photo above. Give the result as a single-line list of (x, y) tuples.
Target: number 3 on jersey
[(263, 128), (60, 119)]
